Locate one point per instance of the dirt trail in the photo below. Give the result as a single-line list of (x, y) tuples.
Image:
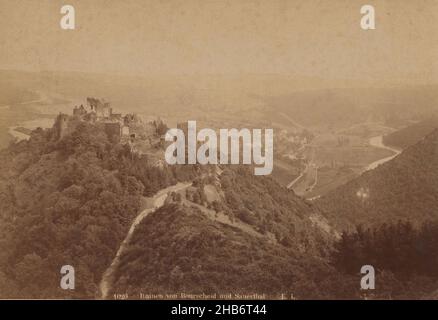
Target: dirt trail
[(158, 201)]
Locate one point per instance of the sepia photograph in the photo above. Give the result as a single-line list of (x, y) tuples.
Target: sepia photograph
[(219, 150)]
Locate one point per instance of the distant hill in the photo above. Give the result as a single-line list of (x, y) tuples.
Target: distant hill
[(404, 188), (412, 134), (10, 94), (343, 107)]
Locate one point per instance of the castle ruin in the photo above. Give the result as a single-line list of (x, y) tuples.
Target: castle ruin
[(129, 128)]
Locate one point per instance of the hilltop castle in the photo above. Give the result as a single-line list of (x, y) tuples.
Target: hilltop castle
[(130, 128)]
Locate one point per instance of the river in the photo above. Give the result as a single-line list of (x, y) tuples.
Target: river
[(48, 107), (378, 143), (31, 125)]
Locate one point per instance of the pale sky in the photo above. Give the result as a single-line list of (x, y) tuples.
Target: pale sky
[(319, 38)]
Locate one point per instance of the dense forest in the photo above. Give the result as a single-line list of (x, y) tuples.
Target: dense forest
[(270, 208), (69, 201), (178, 249), (404, 257)]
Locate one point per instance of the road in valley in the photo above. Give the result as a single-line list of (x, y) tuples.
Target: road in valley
[(308, 179)]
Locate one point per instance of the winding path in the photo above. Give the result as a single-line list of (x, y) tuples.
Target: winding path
[(158, 201)]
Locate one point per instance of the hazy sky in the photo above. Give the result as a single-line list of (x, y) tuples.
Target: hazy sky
[(304, 38)]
